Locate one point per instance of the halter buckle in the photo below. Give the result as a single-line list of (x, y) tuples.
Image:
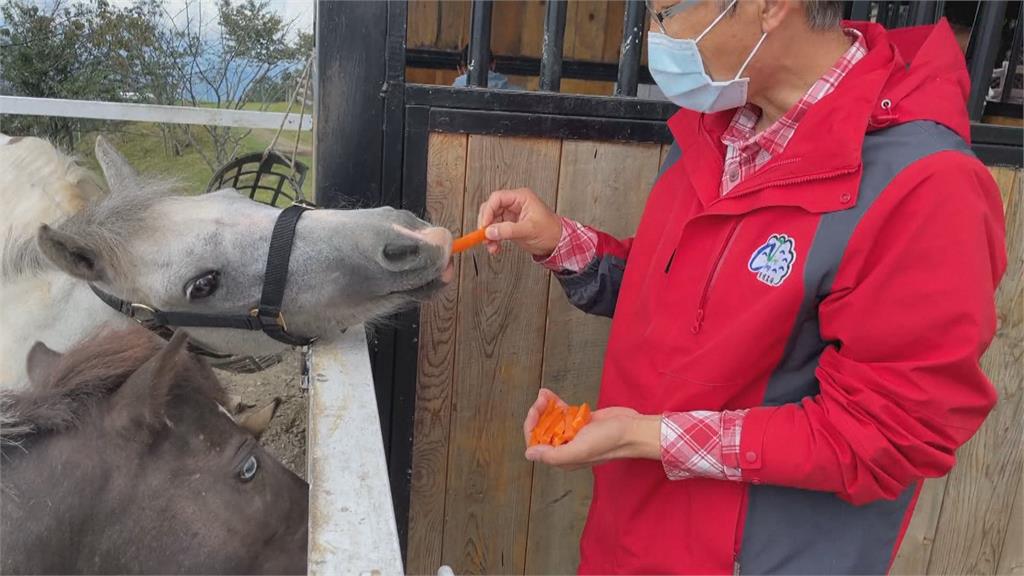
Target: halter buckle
[(141, 313), (275, 318)]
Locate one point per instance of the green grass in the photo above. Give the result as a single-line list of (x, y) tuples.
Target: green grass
[(144, 147)]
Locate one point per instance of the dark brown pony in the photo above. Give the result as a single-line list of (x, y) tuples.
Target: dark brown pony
[(120, 458)]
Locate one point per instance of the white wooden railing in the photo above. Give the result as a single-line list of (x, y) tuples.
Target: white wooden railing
[(153, 113)]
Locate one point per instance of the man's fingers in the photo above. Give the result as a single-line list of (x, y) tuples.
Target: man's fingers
[(497, 204)]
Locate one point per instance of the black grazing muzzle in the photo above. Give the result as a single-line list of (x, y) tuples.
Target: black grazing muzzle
[(266, 317)]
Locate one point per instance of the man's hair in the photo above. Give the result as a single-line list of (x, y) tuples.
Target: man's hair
[(821, 14)]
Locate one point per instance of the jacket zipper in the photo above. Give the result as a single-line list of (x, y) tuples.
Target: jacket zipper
[(698, 322), (797, 180)]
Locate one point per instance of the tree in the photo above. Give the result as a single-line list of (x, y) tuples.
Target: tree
[(88, 51), (235, 64)]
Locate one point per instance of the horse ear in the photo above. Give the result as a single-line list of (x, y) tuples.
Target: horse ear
[(41, 363), (72, 254), (138, 406), (119, 173), (257, 421)]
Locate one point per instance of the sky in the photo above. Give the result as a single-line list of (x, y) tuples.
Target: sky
[(301, 10)]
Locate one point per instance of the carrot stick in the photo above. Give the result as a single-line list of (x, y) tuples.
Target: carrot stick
[(468, 241)]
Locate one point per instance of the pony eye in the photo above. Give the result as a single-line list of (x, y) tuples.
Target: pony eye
[(249, 469), (202, 286)]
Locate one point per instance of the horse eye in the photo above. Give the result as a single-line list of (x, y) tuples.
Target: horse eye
[(249, 469), (202, 286)]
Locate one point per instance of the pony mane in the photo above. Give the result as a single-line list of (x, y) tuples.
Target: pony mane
[(40, 184), (87, 374)]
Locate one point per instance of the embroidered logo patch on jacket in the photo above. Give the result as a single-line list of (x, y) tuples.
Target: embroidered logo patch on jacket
[(773, 260)]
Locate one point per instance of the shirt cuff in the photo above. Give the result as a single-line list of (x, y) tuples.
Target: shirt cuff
[(702, 444), (576, 248)]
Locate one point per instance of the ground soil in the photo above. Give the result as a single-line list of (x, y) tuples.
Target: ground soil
[(285, 439)]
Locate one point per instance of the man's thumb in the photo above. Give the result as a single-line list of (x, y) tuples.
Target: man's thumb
[(506, 231)]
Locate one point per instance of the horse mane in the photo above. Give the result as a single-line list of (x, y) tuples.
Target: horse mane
[(87, 374), (40, 184)]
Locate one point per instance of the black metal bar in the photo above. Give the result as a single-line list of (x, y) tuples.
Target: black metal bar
[(921, 13), (551, 55), (547, 126), (861, 10), (1011, 64), (629, 54), (997, 145), (539, 103), (985, 37), (480, 43), (351, 47), (521, 65)]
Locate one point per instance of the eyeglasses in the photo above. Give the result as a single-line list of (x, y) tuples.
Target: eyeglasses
[(661, 16)]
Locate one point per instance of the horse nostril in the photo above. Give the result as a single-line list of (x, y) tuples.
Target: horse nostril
[(396, 253)]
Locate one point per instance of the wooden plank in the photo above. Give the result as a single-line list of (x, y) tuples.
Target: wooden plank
[(497, 369), (352, 526), (916, 549), (588, 40), (453, 33), (569, 44), (507, 27), (613, 31), (446, 180), (1012, 560), (604, 185), (532, 37), (592, 87), (976, 509), (424, 23)]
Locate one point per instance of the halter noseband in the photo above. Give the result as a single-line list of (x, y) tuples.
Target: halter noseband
[(266, 317)]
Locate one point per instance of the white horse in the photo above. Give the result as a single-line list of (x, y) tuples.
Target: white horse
[(141, 242)]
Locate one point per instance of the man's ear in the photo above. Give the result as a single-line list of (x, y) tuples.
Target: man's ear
[(72, 254)]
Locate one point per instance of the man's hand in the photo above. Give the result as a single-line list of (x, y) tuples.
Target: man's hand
[(520, 216), (612, 433)]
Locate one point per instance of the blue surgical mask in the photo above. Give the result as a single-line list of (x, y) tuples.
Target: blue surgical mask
[(679, 72)]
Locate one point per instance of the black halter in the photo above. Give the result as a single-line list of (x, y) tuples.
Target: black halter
[(266, 317)]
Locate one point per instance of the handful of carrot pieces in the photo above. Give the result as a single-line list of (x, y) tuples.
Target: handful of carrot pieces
[(558, 425)]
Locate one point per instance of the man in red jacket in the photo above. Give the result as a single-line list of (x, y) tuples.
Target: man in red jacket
[(798, 320)]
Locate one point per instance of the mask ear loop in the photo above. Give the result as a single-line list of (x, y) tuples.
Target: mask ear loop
[(715, 21), (751, 56)]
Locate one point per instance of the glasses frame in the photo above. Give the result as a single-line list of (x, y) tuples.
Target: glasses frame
[(660, 16)]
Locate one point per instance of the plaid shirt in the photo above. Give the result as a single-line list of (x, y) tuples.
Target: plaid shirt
[(704, 443), (746, 150)]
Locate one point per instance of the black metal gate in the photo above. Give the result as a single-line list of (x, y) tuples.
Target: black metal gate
[(372, 130)]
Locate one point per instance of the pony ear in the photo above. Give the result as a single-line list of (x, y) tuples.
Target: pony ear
[(41, 363), (120, 175), (257, 421), (139, 405), (72, 254)]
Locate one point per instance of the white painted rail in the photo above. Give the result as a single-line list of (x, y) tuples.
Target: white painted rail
[(352, 527), (152, 113)]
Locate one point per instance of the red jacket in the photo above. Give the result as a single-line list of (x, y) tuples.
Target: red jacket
[(855, 348)]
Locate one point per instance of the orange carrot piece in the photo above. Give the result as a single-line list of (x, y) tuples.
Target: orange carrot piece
[(582, 417), (547, 419), (468, 241)]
